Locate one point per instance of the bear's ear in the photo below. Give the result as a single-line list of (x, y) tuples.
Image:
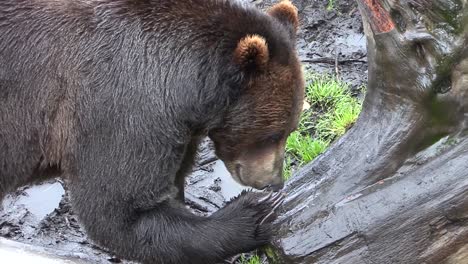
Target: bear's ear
[(252, 52), (287, 14)]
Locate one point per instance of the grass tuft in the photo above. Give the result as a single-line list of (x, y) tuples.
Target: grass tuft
[(333, 111), (255, 259), (304, 148), (335, 123), (287, 168), (331, 5), (325, 91)]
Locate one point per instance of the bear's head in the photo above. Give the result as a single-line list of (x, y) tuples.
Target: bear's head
[(252, 140)]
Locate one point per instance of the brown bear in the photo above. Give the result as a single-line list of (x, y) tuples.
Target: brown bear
[(114, 95)]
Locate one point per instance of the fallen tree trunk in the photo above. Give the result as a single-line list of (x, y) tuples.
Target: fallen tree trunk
[(394, 189)]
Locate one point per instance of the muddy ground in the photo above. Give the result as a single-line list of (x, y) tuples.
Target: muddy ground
[(329, 41)]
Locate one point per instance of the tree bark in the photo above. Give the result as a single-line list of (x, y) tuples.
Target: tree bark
[(394, 189)]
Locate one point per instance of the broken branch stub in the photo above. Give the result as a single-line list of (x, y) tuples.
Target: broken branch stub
[(394, 189)]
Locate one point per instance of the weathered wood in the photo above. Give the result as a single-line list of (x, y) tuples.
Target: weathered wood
[(394, 189)]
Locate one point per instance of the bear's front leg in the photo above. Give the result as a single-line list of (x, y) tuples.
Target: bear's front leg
[(124, 194)]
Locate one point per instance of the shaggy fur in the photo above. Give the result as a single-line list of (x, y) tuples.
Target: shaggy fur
[(113, 95)]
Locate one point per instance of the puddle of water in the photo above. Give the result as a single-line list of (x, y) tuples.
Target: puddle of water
[(21, 256), (39, 200), (14, 252), (220, 177), (353, 41), (229, 187)]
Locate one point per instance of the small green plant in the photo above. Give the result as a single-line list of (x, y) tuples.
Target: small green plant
[(304, 148), (333, 111), (335, 123), (331, 5), (255, 259), (287, 168), (325, 91)]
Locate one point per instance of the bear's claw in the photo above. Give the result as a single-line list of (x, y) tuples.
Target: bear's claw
[(276, 200)]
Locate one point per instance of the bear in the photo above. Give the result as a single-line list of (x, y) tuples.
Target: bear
[(114, 96)]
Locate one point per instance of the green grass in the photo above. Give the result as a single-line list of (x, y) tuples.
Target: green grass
[(325, 91), (331, 5), (305, 148), (333, 111), (255, 259), (335, 123), (287, 169)]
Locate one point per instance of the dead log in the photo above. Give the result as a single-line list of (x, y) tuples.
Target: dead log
[(394, 189)]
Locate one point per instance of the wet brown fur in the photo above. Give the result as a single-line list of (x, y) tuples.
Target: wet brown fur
[(252, 50), (258, 126), (114, 94), (287, 10)]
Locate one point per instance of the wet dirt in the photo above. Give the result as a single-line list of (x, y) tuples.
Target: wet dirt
[(329, 41), (42, 215)]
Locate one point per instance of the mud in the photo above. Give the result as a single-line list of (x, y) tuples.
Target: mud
[(42, 215), (330, 41)]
